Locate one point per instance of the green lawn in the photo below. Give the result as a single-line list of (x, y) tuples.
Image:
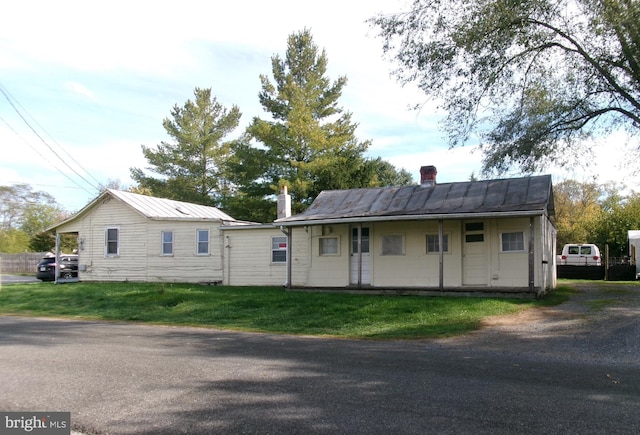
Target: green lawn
[(264, 309)]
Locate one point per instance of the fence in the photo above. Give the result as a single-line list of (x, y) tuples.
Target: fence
[(20, 263)]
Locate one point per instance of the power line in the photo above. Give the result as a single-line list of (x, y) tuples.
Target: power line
[(43, 157), (6, 95), (50, 137)]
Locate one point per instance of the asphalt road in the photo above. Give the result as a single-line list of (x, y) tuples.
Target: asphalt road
[(556, 375)]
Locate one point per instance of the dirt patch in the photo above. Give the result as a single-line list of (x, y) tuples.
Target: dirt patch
[(600, 322)]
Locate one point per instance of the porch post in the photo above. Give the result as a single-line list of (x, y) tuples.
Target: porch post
[(56, 269), (531, 254), (441, 254), (359, 255)]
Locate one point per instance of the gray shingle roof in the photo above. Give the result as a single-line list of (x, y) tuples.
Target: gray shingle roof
[(523, 196)]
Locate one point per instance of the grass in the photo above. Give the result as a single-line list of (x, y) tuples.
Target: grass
[(264, 309)]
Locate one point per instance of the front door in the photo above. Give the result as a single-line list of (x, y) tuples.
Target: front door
[(360, 257), (474, 267)]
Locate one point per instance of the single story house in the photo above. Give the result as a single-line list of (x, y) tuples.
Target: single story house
[(493, 236), (124, 236)]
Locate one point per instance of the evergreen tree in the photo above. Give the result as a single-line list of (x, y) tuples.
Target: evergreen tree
[(309, 144), (194, 167)]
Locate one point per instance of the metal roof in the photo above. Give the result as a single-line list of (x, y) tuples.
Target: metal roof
[(155, 208), (508, 197), (168, 209)]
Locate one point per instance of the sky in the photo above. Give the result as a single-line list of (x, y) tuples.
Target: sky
[(86, 84)]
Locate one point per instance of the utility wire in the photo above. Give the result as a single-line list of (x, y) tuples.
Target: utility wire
[(2, 89), (44, 158), (50, 137)]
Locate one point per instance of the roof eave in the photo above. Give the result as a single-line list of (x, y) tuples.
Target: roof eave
[(443, 216)]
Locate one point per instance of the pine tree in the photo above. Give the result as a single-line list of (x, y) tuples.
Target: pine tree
[(195, 167)]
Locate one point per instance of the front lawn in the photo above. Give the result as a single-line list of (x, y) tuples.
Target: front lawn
[(264, 309)]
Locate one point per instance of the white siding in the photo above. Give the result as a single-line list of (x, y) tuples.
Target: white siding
[(140, 256), (247, 257), (416, 268)]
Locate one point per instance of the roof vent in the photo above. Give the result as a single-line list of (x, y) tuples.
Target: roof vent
[(428, 176)]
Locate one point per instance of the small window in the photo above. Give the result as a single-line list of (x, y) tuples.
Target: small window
[(585, 250), (474, 226), (433, 243), (112, 241), (203, 242), (574, 250), (393, 244), (512, 241), (279, 249), (364, 242), (167, 242), (329, 246), (474, 238)]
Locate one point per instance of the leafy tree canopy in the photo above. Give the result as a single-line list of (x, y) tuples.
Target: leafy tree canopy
[(193, 168), (532, 77)]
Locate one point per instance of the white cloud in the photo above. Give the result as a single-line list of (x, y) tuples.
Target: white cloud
[(79, 89)]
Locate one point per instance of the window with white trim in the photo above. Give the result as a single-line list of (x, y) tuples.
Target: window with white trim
[(329, 246), (393, 244), (112, 241), (167, 242), (279, 249), (512, 242), (433, 243), (202, 240)]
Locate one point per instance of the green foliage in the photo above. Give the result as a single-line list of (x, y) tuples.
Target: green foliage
[(23, 214), (618, 215), (309, 144), (43, 242), (262, 309), (194, 167), (13, 241), (533, 78), (592, 213), (577, 206)]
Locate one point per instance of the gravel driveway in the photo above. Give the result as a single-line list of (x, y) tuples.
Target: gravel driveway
[(600, 323)]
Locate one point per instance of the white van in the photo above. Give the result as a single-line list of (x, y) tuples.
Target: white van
[(574, 254)]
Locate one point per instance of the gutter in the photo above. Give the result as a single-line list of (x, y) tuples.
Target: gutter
[(441, 216)]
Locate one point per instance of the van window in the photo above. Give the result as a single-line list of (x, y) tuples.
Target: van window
[(574, 250), (586, 250)]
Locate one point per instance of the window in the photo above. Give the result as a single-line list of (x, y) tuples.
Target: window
[(364, 242), (393, 244), (512, 241), (433, 244), (112, 241), (279, 249), (329, 246), (167, 242), (203, 242)]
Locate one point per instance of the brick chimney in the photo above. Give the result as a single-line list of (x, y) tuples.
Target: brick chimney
[(284, 203), (428, 176)]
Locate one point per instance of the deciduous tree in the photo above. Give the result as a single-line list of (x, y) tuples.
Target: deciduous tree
[(532, 77)]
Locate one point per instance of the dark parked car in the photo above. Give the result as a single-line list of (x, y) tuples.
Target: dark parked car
[(68, 267)]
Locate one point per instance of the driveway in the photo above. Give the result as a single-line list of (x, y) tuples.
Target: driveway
[(17, 279), (569, 369)]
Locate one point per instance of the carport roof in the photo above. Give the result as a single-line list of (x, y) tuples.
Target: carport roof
[(525, 196)]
